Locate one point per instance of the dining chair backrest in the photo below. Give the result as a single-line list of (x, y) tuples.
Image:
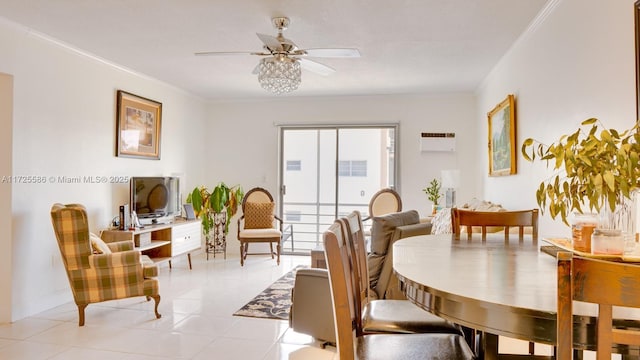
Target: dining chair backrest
[(256, 195), (605, 283), (339, 268), (354, 237), (385, 201), (484, 219)]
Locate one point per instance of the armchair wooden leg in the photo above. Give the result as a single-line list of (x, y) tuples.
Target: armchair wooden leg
[(278, 249), (156, 298), (241, 254), (81, 308), (271, 248)]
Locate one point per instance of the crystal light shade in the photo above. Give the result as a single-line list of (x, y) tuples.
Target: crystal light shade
[(279, 74)]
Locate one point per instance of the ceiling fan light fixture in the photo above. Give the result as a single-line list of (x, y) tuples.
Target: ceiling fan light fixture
[(279, 74)]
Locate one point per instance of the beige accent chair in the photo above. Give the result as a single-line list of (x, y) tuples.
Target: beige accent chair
[(386, 230), (383, 202), (99, 271), (350, 345), (256, 225)]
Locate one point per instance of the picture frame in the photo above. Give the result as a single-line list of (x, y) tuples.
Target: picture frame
[(138, 126), (636, 19), (189, 213), (502, 138)]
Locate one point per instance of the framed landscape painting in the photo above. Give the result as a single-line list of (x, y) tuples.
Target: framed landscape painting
[(502, 138), (138, 124)]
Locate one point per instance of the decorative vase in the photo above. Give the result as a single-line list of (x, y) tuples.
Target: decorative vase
[(623, 218)]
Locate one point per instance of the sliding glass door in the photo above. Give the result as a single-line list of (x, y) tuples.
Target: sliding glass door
[(328, 172)]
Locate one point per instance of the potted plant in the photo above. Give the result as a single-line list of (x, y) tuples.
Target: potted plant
[(597, 169), (433, 194), (215, 208)]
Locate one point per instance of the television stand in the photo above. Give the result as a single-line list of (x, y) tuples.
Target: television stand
[(162, 242)]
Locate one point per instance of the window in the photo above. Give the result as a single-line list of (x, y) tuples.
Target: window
[(352, 168), (294, 165), (293, 215), (344, 168), (359, 168)]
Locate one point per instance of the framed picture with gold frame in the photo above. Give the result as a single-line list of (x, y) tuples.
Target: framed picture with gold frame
[(138, 124), (502, 138), (636, 17)]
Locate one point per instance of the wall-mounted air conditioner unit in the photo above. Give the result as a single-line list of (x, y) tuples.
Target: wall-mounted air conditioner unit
[(438, 142)]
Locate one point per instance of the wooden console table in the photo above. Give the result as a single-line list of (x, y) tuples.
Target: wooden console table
[(166, 240)]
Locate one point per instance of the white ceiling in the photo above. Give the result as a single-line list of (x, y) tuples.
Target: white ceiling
[(407, 46)]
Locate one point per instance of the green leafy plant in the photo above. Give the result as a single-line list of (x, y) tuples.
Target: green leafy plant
[(433, 191), (596, 168), (222, 198)]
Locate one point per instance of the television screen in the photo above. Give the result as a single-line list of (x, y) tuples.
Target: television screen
[(155, 197)]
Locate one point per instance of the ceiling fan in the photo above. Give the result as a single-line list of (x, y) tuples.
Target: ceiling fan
[(279, 69)]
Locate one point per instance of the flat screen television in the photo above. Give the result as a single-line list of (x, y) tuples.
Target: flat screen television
[(156, 200)]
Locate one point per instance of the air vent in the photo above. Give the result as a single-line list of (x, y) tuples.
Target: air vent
[(437, 141)]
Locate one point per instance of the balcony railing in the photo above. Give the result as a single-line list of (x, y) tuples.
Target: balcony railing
[(308, 221)]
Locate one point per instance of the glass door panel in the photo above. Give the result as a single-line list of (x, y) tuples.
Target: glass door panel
[(329, 172)]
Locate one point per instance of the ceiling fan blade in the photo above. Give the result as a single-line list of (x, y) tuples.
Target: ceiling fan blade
[(316, 67), (271, 42), (225, 53), (325, 52)]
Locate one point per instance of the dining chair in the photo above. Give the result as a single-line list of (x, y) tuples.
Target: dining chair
[(605, 283), (350, 345), (493, 219), (384, 201), (383, 316), (256, 225)]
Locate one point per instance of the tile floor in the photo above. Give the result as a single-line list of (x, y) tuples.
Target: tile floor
[(196, 323)]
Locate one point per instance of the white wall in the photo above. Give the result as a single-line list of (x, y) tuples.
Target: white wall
[(64, 125), (6, 141), (249, 128), (577, 62)]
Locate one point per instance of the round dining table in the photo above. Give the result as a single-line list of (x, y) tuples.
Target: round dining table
[(498, 286)]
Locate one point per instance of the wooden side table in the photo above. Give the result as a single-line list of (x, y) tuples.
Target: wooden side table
[(317, 258)]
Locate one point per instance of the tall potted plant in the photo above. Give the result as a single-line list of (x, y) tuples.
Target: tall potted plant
[(215, 208)]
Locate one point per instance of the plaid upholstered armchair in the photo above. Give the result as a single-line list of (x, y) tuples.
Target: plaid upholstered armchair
[(97, 271)]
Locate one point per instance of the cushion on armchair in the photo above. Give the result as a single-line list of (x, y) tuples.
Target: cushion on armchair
[(98, 245), (258, 215)]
